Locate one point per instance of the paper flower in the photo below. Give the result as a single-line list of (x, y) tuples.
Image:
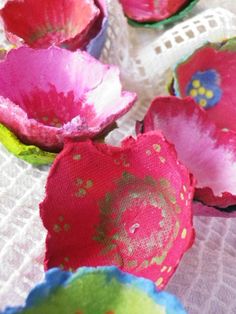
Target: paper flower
[(129, 207), (47, 95), (102, 290), (70, 24), (208, 76), (208, 152), (151, 13)]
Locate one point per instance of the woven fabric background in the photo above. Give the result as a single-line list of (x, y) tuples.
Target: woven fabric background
[(206, 278)]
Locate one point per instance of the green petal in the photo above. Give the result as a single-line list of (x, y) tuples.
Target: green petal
[(29, 153), (172, 19)]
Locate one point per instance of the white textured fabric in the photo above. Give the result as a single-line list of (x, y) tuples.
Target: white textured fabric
[(206, 278)]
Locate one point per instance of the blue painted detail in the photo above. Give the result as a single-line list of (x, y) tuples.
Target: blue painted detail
[(53, 279), (210, 81)]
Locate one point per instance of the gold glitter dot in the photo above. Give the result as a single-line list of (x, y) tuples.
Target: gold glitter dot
[(172, 199), (66, 227), (77, 157), (184, 188), (81, 193), (182, 196), (79, 181), (89, 184), (209, 94), (184, 233), (203, 103), (169, 269), (56, 228), (157, 147), (164, 268), (159, 281), (202, 90), (162, 159), (178, 209), (196, 83), (193, 93)]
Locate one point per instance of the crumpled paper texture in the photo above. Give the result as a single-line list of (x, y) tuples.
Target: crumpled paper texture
[(206, 279)]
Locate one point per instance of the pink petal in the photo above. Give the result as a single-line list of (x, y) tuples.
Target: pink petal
[(151, 10), (64, 94), (208, 152)]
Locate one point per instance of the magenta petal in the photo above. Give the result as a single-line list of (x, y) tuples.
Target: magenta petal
[(64, 94), (208, 152), (151, 10), (209, 77)]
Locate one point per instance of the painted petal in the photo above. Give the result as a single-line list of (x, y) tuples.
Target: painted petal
[(129, 207), (151, 10), (209, 77), (46, 22), (94, 39), (147, 22), (208, 152), (30, 154), (64, 94), (103, 290)]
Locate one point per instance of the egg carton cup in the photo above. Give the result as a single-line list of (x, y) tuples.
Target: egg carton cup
[(206, 277)]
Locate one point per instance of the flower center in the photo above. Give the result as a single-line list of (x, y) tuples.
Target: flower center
[(205, 88)]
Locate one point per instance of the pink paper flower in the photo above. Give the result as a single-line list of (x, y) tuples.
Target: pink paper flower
[(208, 152), (151, 10), (209, 76), (71, 24), (128, 206), (47, 95)]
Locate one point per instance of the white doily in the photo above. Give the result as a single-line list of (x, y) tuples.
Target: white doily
[(206, 278)]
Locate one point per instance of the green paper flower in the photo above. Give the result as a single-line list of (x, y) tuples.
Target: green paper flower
[(101, 290)]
